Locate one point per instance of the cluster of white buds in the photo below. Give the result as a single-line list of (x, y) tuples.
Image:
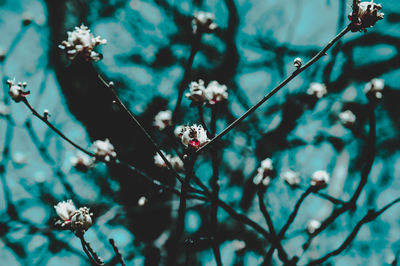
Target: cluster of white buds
[(82, 219), (163, 119), (175, 161), (367, 16), (179, 131), (82, 162), (81, 42), (203, 22), (216, 92), (197, 92), (374, 88), (17, 90), (317, 89), (264, 173), (194, 136), (319, 179), (71, 218), (104, 150), (347, 118), (297, 62), (212, 94), (291, 178), (312, 226)]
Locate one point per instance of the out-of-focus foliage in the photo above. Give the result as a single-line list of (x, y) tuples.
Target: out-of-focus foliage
[(148, 46)]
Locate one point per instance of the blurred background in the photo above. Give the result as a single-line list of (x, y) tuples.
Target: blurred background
[(148, 45)]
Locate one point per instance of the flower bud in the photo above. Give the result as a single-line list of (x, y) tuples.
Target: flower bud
[(297, 62), (82, 219), (320, 179)]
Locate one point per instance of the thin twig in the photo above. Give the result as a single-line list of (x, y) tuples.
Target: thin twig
[(44, 119), (117, 161), (186, 76), (152, 141), (116, 251), (276, 242), (370, 216), (351, 204), (93, 257), (214, 189), (277, 88)]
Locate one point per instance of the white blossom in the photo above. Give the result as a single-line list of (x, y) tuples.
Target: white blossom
[(142, 201), (194, 136), (374, 88), (82, 219), (65, 210), (179, 131), (347, 118), (81, 42), (313, 225), (264, 172), (17, 90), (163, 119), (317, 89), (216, 92), (82, 162), (203, 22), (297, 62), (104, 150), (368, 14), (175, 161), (320, 179), (197, 93), (291, 178)]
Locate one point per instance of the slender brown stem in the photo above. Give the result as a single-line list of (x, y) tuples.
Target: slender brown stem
[(189, 163), (277, 88), (215, 190), (275, 242), (134, 169), (152, 141), (43, 118), (370, 216), (93, 257), (116, 251), (370, 156), (186, 76)]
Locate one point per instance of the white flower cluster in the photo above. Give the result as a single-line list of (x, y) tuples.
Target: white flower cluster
[(317, 89), (175, 161), (104, 150), (212, 94), (264, 173), (312, 226), (374, 88), (203, 22), (368, 14), (82, 162), (194, 136), (320, 179), (17, 90), (79, 220), (163, 119), (291, 178), (347, 118), (81, 42)]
